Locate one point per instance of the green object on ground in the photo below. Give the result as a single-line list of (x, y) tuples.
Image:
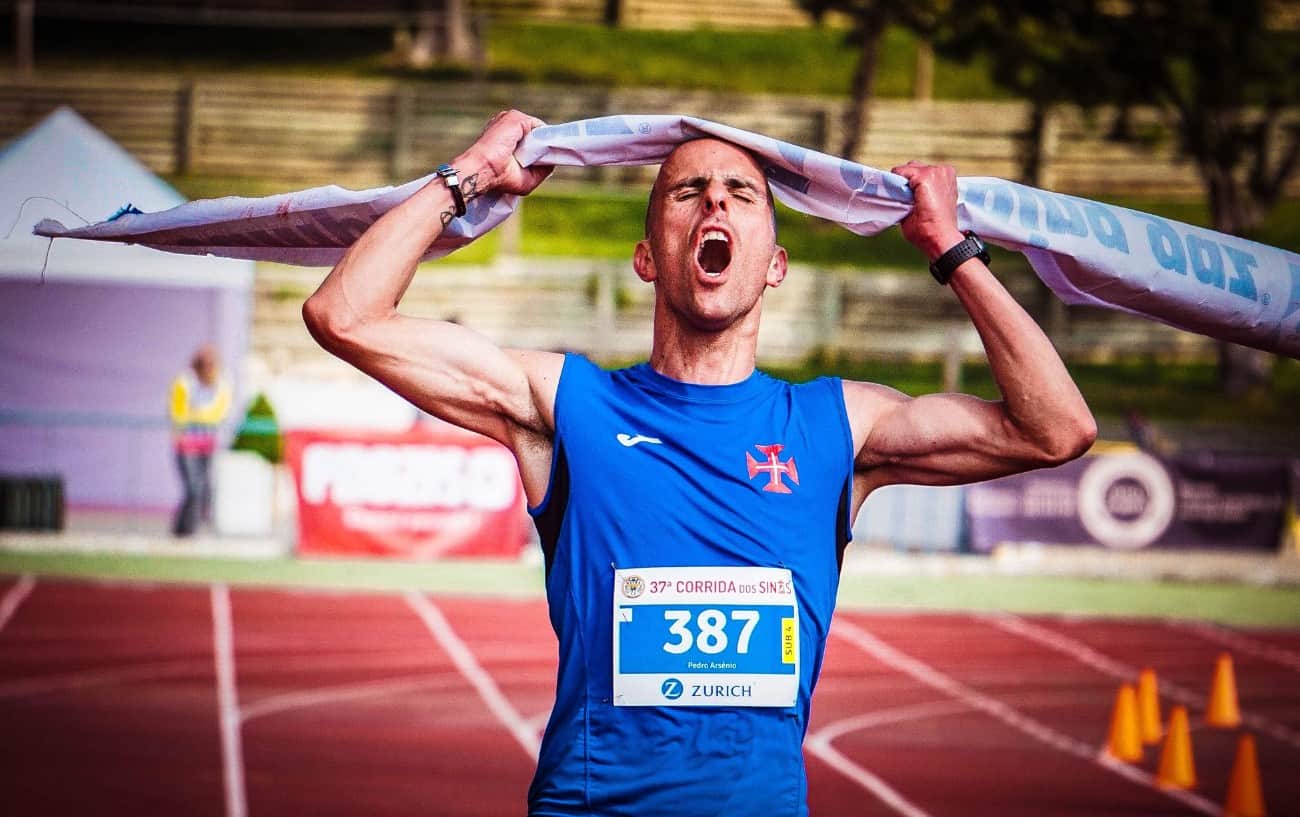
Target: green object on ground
[(260, 433)]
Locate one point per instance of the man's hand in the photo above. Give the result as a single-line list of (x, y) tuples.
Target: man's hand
[(932, 225), (492, 156)]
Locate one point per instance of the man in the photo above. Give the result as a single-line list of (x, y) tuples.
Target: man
[(200, 398), (721, 495)]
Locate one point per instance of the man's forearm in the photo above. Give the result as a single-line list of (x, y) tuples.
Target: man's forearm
[(1041, 398), (375, 272)]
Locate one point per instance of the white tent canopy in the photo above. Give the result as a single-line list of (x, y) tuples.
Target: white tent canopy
[(87, 352), (65, 168)]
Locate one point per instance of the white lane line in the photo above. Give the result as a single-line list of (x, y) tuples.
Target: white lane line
[(232, 751), (1242, 643), (538, 722), (349, 692), (819, 744), (15, 597), (469, 666), (885, 717), (1067, 645), (46, 684), (1037, 730)]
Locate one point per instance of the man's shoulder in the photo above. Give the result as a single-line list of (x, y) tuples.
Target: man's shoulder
[(868, 392)]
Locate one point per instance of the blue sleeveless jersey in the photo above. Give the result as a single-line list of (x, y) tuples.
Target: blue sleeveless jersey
[(652, 472)]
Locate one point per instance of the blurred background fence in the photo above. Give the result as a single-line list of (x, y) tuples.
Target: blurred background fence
[(600, 308), (362, 132)]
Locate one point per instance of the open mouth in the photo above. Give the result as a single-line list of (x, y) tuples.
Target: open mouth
[(715, 252)]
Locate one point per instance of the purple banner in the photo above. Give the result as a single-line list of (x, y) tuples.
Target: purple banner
[(1134, 500)]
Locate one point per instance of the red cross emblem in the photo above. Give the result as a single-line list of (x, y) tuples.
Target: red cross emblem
[(773, 467)]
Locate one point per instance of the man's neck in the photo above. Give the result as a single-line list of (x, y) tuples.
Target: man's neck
[(691, 355)]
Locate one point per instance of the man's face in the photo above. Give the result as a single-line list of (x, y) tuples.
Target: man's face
[(205, 364), (711, 243)]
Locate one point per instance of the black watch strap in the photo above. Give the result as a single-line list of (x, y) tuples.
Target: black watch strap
[(450, 175), (945, 265)]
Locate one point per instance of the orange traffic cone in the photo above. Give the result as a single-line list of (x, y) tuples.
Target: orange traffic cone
[(1149, 707), (1245, 794), (1177, 769), (1223, 711), (1124, 741)]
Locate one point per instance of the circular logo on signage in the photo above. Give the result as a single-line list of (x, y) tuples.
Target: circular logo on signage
[(633, 586), (672, 688), (1126, 501)]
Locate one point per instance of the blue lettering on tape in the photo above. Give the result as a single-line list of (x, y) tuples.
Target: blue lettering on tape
[(608, 126), (1242, 281), (1028, 207), (1064, 216), (1207, 261), (1106, 226), (793, 154), (853, 174), (566, 131), (1002, 204), (1165, 245)]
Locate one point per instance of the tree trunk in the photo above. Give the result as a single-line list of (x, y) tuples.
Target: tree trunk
[(923, 79), (1031, 149), (1032, 166), (442, 32), (858, 120), (1233, 211), (458, 40), (24, 11), (613, 13)]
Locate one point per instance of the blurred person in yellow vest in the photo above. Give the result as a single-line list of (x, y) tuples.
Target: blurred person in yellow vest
[(200, 398)]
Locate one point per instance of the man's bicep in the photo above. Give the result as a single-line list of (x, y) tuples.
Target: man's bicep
[(938, 439), (456, 374)]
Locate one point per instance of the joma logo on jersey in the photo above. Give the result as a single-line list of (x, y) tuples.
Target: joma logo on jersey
[(773, 467)]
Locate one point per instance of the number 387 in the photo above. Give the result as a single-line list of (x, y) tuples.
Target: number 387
[(710, 630)]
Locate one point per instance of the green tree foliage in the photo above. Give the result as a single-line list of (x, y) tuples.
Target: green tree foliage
[(1225, 75), (869, 19)]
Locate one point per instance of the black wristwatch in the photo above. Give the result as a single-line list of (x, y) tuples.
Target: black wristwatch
[(449, 175), (945, 265)]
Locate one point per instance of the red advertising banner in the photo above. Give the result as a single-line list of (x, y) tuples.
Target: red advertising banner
[(418, 494)]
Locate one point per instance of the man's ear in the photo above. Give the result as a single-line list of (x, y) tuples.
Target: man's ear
[(777, 268), (643, 262)]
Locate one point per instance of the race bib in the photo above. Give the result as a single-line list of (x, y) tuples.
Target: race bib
[(705, 636)]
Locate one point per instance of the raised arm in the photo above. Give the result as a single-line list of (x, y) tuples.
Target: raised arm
[(446, 369), (947, 439)]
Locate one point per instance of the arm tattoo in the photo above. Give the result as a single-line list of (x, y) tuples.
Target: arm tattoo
[(469, 189)]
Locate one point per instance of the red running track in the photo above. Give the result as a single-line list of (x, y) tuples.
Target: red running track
[(139, 699)]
